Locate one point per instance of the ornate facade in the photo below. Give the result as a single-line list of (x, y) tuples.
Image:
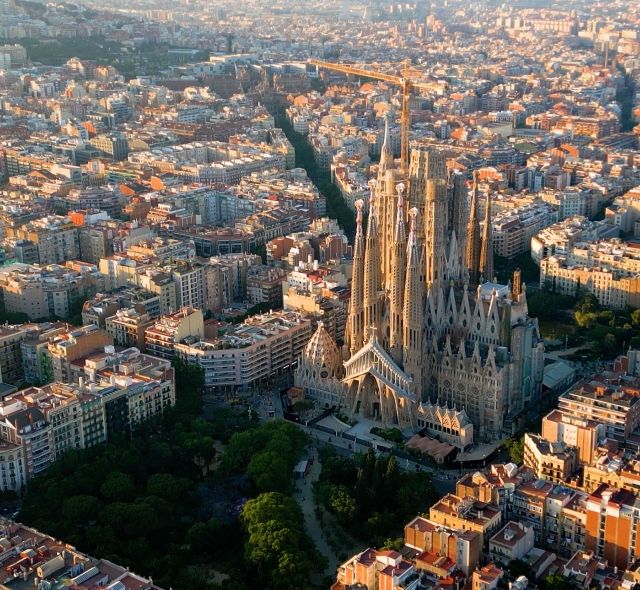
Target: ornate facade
[(423, 324)]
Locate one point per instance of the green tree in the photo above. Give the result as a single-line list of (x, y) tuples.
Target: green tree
[(303, 406), (415, 494), (277, 544), (189, 387), (390, 544), (167, 486), (118, 487), (270, 472), (557, 582), (342, 504), (80, 509), (515, 448)]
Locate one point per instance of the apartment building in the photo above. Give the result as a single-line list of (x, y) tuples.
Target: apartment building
[(466, 514), (513, 541), (120, 270), (486, 578), (162, 284), (210, 162), (264, 285), (127, 327), (115, 393), (55, 238), (529, 505), (573, 201), (114, 145), (513, 229), (11, 367), (130, 384), (97, 309), (612, 469), (624, 212), (162, 250), (613, 288), (48, 291), (611, 400), (461, 548), (135, 386), (377, 570), (613, 522), (12, 466), (95, 242), (34, 350), (215, 241), (189, 281), (262, 347), (74, 345), (560, 238), (551, 510), (76, 417), (497, 486), (25, 426), (610, 269), (104, 198), (551, 461), (32, 556), (585, 435), (162, 338), (327, 305)]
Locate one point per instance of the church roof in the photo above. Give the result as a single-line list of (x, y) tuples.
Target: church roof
[(322, 351), (450, 417), (372, 358)]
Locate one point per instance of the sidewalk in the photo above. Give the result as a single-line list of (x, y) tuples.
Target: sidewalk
[(304, 496)]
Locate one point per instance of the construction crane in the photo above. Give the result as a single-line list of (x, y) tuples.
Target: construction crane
[(404, 82)]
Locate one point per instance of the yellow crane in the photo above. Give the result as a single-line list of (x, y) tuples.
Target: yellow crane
[(404, 82)]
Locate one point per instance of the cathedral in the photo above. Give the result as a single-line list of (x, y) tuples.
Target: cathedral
[(428, 327)]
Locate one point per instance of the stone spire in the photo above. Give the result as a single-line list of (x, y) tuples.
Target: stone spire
[(486, 251), (355, 325), (397, 279), (473, 236), (385, 206), (412, 313), (386, 153), (372, 270)]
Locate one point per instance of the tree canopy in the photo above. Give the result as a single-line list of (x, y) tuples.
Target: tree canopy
[(370, 496)]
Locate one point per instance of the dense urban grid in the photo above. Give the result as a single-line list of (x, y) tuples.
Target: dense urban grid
[(301, 295)]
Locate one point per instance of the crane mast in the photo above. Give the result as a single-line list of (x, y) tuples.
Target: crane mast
[(404, 82)]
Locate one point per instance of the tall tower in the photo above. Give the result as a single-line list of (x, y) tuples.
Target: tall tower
[(486, 252), (386, 203), (418, 174), (473, 236), (354, 332), (397, 280), (386, 153), (458, 214), (436, 213), (412, 313), (372, 269)]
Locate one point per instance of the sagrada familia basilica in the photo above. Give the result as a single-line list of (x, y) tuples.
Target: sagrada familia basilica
[(431, 340)]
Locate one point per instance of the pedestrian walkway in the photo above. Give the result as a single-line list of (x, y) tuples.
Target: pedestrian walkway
[(304, 497)]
